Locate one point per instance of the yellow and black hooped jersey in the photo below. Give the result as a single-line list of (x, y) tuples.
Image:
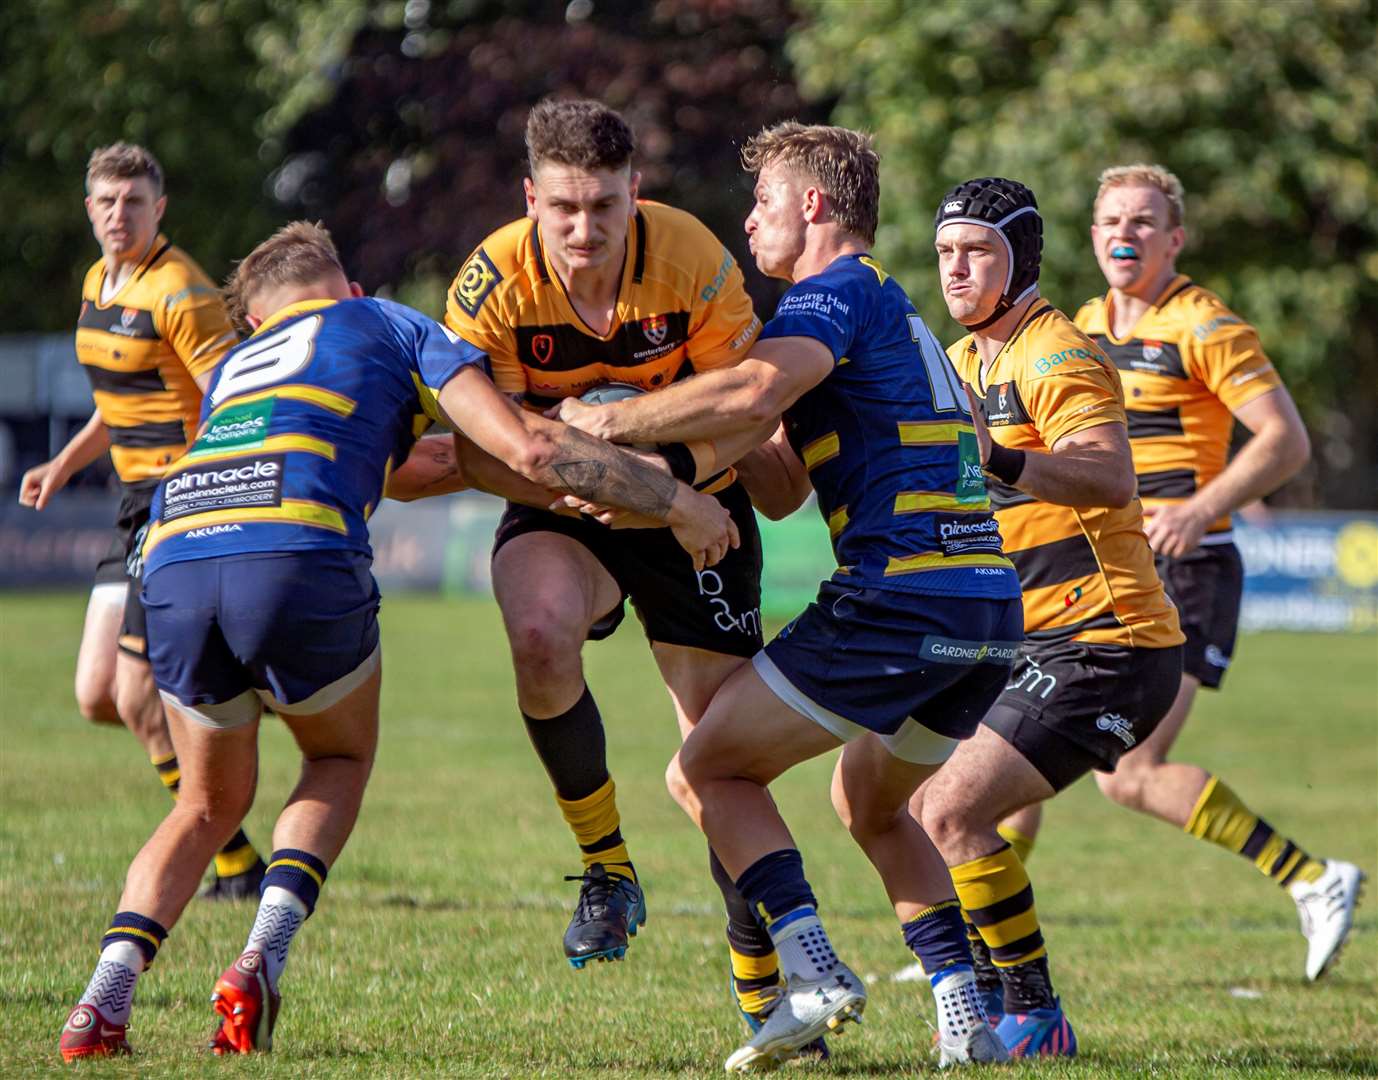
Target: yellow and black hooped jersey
[(1186, 366), (1086, 572), (142, 351), (682, 308)]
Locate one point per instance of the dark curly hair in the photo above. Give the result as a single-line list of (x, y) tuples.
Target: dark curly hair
[(585, 134)]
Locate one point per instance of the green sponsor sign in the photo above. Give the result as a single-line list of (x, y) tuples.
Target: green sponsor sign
[(240, 427), (971, 481)]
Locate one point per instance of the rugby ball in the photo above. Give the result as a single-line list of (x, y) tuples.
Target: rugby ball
[(610, 392), (614, 391)]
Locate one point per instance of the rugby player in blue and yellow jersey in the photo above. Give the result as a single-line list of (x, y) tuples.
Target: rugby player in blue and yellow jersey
[(151, 330), (257, 588), (912, 638)]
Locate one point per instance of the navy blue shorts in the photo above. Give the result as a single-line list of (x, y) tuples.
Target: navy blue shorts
[(298, 630), (919, 671)]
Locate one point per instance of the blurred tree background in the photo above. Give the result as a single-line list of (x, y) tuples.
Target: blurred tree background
[(400, 125)]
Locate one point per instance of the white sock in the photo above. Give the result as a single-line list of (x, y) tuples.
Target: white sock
[(111, 989), (280, 915), (803, 945), (959, 1003)]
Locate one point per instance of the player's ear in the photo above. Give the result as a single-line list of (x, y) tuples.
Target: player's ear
[(813, 205), (1177, 240), (356, 290), (159, 207), (529, 188), (253, 320), (634, 187)]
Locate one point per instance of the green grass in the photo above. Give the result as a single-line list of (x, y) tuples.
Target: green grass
[(436, 949)]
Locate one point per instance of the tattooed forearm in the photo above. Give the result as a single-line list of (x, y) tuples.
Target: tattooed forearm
[(600, 472)]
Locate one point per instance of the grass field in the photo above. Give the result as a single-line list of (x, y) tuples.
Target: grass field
[(436, 948)]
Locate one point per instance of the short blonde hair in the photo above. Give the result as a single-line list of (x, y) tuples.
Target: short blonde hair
[(1141, 175), (299, 253), (844, 163), (123, 161)]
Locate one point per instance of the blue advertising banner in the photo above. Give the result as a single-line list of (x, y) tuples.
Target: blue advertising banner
[(1310, 571), (1303, 571)]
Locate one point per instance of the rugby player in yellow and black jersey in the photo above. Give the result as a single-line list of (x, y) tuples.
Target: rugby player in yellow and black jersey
[(1190, 368), (592, 287), (1102, 650), (152, 328)]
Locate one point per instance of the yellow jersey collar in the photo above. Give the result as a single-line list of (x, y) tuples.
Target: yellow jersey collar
[(301, 307)]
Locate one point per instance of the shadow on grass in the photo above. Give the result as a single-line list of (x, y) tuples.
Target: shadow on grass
[(1269, 1060)]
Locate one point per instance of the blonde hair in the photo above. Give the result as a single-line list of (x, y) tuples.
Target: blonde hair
[(123, 161), (299, 253), (1142, 175), (844, 163)]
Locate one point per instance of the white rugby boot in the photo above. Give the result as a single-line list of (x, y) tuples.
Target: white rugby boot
[(1326, 908), (807, 1009)]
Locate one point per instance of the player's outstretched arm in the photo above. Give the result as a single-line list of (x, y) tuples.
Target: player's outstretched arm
[(1278, 448), (556, 456), (714, 404), (774, 477), (42, 482)]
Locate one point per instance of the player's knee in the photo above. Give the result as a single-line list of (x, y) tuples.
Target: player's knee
[(944, 821), (544, 647), (221, 807), (679, 785), (1127, 784), (96, 705)]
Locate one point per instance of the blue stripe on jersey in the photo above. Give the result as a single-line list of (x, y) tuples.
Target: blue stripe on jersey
[(299, 429), (888, 441)]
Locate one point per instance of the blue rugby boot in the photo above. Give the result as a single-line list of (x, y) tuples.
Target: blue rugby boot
[(1039, 1033), (610, 910)]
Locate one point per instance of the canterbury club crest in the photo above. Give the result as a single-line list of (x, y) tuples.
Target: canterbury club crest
[(127, 317), (1152, 350), (655, 327)]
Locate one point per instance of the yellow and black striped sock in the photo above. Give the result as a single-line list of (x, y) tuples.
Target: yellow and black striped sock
[(997, 898), (1023, 845), (598, 829), (755, 980), (238, 855), (168, 772), (1222, 819)]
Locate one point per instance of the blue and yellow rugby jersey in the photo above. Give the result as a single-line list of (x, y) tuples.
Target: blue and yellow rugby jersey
[(1187, 364), (888, 442), (142, 351), (1087, 572), (300, 428)]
